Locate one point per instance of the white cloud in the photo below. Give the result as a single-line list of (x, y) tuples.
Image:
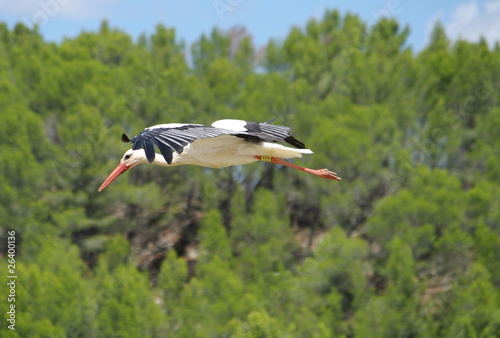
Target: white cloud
[(17, 7), (432, 22), (34, 10), (470, 21), (492, 6), (465, 13)]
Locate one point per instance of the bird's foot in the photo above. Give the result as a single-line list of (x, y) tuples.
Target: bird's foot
[(324, 173)]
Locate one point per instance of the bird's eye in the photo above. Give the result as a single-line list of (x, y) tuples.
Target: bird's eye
[(127, 156)]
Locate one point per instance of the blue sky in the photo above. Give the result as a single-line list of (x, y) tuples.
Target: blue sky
[(468, 19)]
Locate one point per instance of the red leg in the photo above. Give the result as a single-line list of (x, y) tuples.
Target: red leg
[(324, 173)]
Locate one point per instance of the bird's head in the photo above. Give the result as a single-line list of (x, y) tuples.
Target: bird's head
[(130, 158)]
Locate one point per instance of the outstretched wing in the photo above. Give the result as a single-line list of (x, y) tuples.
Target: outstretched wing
[(263, 131)]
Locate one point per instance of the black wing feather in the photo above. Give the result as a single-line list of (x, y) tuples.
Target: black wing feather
[(138, 143), (272, 133), (150, 150), (294, 142), (165, 150), (125, 138), (177, 146)]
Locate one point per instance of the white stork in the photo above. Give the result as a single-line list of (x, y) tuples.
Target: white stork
[(225, 143)]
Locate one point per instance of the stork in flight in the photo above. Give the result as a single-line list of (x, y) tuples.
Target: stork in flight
[(225, 143)]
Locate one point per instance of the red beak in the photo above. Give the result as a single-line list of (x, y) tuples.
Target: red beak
[(120, 169)]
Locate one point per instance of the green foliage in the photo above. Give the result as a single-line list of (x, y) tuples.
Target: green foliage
[(214, 238), (263, 241), (408, 244), (426, 215), (171, 280), (476, 308), (125, 306), (396, 312)]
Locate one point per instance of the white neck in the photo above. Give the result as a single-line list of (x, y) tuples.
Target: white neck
[(160, 160), (140, 157)]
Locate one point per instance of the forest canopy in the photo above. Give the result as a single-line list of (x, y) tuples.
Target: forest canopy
[(407, 245)]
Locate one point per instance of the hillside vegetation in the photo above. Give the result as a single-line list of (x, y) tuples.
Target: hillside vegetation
[(406, 245)]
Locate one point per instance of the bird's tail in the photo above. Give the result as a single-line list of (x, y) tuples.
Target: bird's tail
[(277, 150)]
